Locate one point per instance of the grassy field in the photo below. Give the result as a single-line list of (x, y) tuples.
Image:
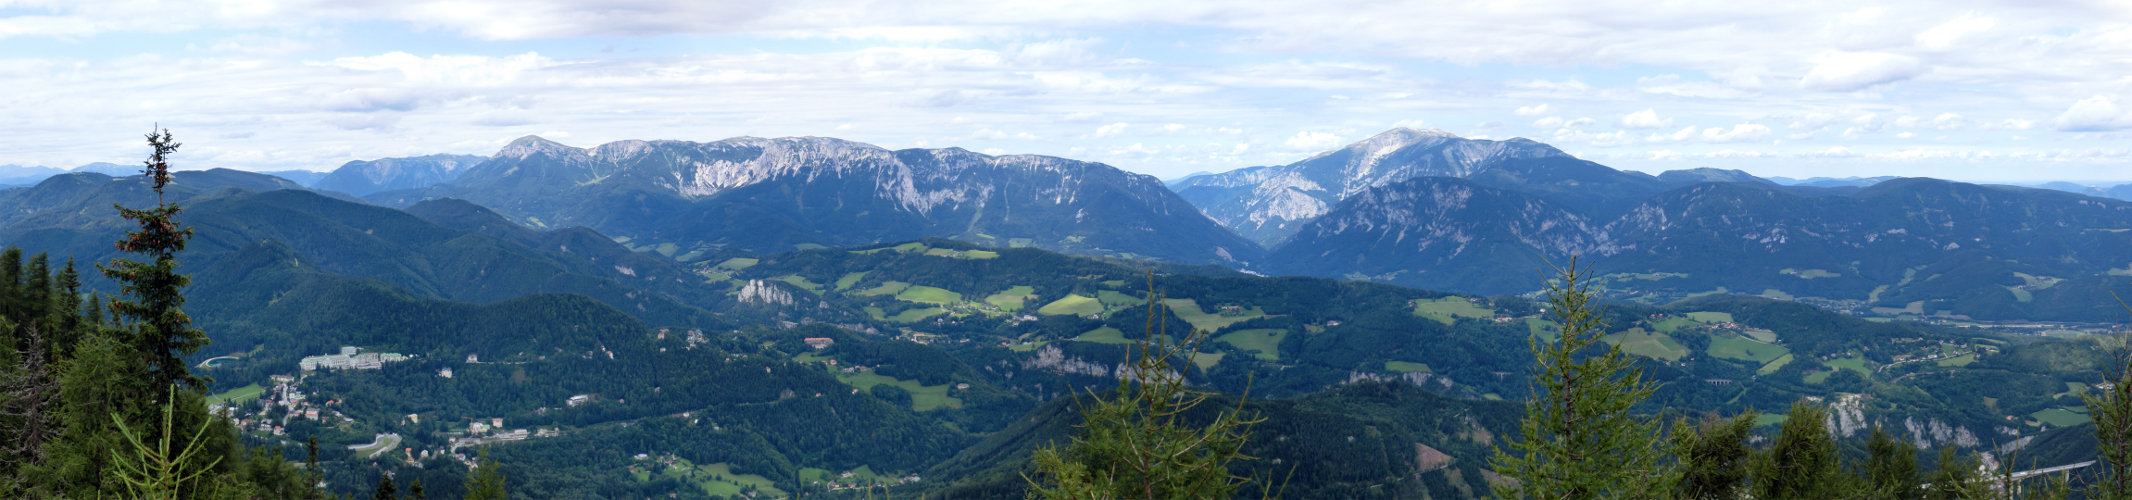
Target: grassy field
[(1078, 305), (1673, 324), (963, 254), (1764, 336), (889, 288), (863, 474), (1207, 360), (1545, 329), (1853, 364), (907, 316), (802, 282), (1112, 299), (2021, 295), (1406, 367), (736, 264), (715, 479), (1963, 360), (2060, 417), (1776, 294), (1026, 347), (1448, 309), (238, 395), (1189, 310), (1267, 341), (928, 295), (1711, 317), (845, 282), (1011, 299), (1769, 419), (1917, 308), (1774, 365), (922, 397), (1104, 335), (1816, 273), (1746, 350), (1648, 344)]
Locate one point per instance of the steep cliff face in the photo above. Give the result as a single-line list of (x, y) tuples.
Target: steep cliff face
[(681, 197), (1268, 204)]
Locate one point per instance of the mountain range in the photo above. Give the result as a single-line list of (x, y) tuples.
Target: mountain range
[(1419, 208), (689, 199), (1267, 204), (952, 360)]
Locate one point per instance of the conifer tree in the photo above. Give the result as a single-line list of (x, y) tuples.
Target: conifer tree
[(1891, 468), (486, 481), (155, 290), (385, 491), (1802, 463), (1579, 439), (2111, 410), (1954, 478), (1135, 444), (1711, 457)]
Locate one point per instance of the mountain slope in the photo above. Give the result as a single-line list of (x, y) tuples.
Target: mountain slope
[(1878, 245), (364, 177), (1440, 233), (73, 216), (686, 199), (1267, 204)]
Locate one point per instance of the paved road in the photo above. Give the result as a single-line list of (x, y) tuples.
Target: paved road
[(380, 444)]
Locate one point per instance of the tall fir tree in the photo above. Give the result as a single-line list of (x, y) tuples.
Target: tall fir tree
[(1890, 469), (1579, 438), (155, 290), (485, 482), (1802, 463), (1710, 457)]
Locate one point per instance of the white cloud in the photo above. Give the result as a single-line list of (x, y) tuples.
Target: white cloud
[(1548, 122), (1905, 135), (1745, 132), (2010, 124), (1848, 71), (1111, 130), (1535, 110), (1313, 141), (1645, 119), (1949, 121), (1945, 35), (1834, 152), (2094, 114)]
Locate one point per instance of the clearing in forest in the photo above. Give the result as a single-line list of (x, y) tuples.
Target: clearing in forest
[(1189, 311), (1010, 300), (1648, 344), (1078, 305), (1745, 350), (1448, 309), (1267, 341), (923, 397)]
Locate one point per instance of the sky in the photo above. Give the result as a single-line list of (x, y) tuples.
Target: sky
[(2003, 91)]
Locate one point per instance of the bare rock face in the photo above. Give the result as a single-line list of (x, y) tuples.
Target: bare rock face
[(1269, 204), (762, 292)]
